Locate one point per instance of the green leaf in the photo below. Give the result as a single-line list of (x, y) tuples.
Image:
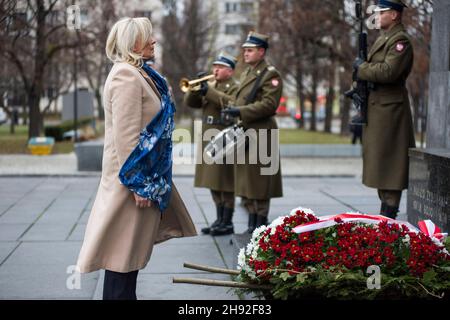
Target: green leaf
[(447, 243), (444, 268), (301, 278), (429, 276), (284, 276)]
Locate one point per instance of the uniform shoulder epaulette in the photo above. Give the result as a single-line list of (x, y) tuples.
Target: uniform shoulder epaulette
[(401, 35)]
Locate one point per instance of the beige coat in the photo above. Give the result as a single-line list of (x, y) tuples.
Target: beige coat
[(120, 236)]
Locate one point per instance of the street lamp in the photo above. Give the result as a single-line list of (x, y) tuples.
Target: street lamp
[(75, 96), (73, 23)]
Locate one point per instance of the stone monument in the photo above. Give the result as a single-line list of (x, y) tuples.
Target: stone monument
[(429, 169)]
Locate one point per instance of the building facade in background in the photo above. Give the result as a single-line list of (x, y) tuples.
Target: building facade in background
[(236, 19)]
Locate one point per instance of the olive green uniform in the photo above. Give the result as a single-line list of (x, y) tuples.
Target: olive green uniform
[(389, 131), (257, 189), (217, 177)]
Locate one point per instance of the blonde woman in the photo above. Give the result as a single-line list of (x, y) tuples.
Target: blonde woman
[(137, 204)]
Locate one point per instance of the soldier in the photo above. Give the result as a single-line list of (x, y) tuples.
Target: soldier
[(219, 178), (389, 131), (255, 103)]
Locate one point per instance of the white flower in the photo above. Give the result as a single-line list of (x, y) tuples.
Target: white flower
[(251, 274), (312, 269), (257, 232), (278, 221), (241, 259), (305, 210), (406, 239), (444, 250), (249, 248)]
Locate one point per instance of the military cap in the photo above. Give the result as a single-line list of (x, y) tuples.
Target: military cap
[(225, 60), (384, 5), (256, 40)]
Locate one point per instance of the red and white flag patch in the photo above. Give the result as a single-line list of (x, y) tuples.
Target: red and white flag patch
[(399, 47), (275, 82)]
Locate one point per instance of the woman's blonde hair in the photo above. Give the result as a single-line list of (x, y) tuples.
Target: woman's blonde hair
[(123, 37)]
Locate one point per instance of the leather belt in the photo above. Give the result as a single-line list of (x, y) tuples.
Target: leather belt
[(372, 86)]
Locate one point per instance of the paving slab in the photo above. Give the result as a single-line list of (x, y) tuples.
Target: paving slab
[(43, 220), (11, 231), (6, 248)]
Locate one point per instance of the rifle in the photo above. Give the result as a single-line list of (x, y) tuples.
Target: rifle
[(360, 90)]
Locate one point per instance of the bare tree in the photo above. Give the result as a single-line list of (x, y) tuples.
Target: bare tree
[(33, 34), (304, 37), (188, 41), (418, 22), (312, 41), (95, 67)]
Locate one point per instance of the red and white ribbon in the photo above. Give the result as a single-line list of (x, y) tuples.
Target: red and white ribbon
[(327, 221), (431, 230)]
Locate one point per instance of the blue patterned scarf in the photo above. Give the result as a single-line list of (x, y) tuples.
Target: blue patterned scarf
[(148, 170)]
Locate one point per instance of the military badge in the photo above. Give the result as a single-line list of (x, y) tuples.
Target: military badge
[(399, 47)]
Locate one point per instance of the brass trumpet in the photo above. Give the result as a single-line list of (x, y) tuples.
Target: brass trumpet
[(193, 85)]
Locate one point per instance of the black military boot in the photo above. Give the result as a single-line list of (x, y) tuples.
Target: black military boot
[(261, 221), (391, 212), (216, 223), (383, 208), (251, 223), (226, 226)]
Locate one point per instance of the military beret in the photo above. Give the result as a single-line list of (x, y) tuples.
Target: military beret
[(256, 40), (384, 5)]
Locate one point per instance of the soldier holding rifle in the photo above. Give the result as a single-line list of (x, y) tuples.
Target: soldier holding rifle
[(388, 132)]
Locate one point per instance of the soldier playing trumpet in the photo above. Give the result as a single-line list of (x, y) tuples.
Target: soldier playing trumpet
[(219, 178)]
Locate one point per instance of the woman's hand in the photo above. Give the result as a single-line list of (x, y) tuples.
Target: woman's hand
[(142, 202)]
